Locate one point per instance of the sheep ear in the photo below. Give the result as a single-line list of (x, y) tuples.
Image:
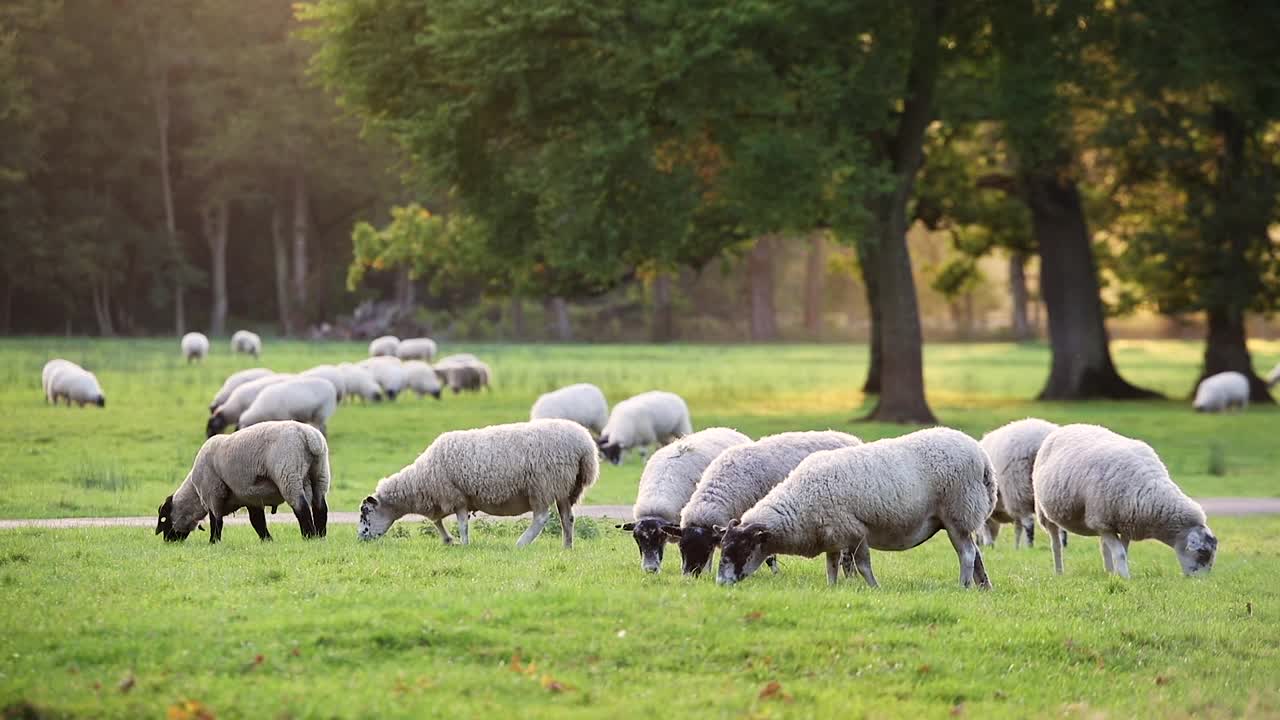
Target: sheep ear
[(735, 523), (200, 527), (718, 529), (626, 526), (673, 531), (371, 501)]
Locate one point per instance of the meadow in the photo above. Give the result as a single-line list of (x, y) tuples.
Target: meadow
[(115, 623)]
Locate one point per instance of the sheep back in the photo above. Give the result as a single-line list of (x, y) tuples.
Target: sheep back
[(305, 399), (1012, 450), (234, 381), (1221, 391), (672, 473), (647, 418), (416, 349), (582, 403)]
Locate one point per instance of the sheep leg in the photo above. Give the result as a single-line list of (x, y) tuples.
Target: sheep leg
[(444, 534), (966, 550), (862, 559), (215, 527), (1055, 540), (1119, 554), (320, 515), (464, 532), (980, 570), (302, 511), (540, 517), (1106, 555), (1029, 529), (833, 567), (846, 562), (566, 521), (258, 519), (772, 562)]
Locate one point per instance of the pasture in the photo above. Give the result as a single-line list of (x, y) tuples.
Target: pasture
[(115, 623)]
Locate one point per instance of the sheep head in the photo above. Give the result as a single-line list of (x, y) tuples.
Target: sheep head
[(743, 551)]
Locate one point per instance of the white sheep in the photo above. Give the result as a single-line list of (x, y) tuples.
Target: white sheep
[(311, 400), (736, 481), (359, 383), (331, 373), (265, 465), (583, 403), (1091, 481), (1012, 449), (76, 384), (385, 345), (654, 417), (888, 495), (416, 349), (195, 346), (668, 480), (1222, 391), (389, 372), (501, 470), (421, 378), (243, 341), (463, 372), (234, 381), (228, 413), (46, 375), (1273, 377)]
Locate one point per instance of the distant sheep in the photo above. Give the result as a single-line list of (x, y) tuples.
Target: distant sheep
[(1012, 450), (234, 381), (385, 345), (416, 349), (195, 346), (389, 372), (228, 413), (422, 379), (463, 372), (331, 373), (1091, 481), (500, 470), (307, 399), (265, 465), (247, 342), (74, 383), (1222, 392), (47, 374), (583, 403), (650, 418), (359, 383)]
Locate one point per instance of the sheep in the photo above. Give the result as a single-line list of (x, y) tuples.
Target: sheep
[(331, 373), (247, 342), (359, 382), (76, 384), (1012, 450), (889, 495), (228, 413), (389, 372), (463, 372), (416, 349), (736, 481), (668, 481), (1222, 391), (310, 400), (195, 346), (1273, 377), (583, 403), (47, 374), (501, 470), (644, 419), (1091, 481), (422, 379), (385, 345), (267, 464), (234, 381)]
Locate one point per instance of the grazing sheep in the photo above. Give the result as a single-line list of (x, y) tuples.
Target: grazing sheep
[(889, 495), (416, 349), (463, 372), (247, 342), (1091, 481), (310, 400), (1273, 377), (583, 403), (234, 381), (736, 481), (668, 481), (385, 345), (228, 413), (422, 379), (47, 374), (654, 417), (76, 384), (501, 470), (389, 372), (331, 373), (359, 383), (1012, 450), (195, 346), (1222, 392), (266, 465)]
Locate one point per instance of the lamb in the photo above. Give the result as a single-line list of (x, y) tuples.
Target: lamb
[(736, 481), (267, 464), (1012, 450), (583, 403), (416, 349), (228, 413), (359, 382), (310, 400), (1273, 377), (389, 372), (422, 379), (47, 374), (668, 481), (385, 345), (247, 342), (76, 384), (1091, 481), (1222, 392), (501, 470), (234, 381), (889, 495), (331, 373), (195, 346), (644, 419)]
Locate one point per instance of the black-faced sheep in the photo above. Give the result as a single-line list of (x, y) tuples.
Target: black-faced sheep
[(651, 418), (582, 403), (195, 346)]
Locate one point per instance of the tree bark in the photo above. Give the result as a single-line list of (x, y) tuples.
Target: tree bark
[(868, 260), (160, 99), (404, 289), (518, 331), (663, 329), (1081, 365), (764, 322), (280, 248), (814, 284), (101, 293), (1226, 349), (301, 213), (558, 318), (1018, 291), (215, 234)]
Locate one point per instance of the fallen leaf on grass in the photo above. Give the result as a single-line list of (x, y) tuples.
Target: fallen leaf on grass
[(753, 616), (553, 685), (774, 691), (189, 710), (924, 669), (1162, 680), (127, 683), (957, 710)]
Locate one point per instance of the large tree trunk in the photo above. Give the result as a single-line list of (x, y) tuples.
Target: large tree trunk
[(663, 316), (558, 318), (160, 100), (404, 289), (1225, 349), (301, 213), (215, 233), (1081, 366), (101, 293), (868, 261), (1018, 291), (764, 322), (516, 311), (280, 248), (815, 275)]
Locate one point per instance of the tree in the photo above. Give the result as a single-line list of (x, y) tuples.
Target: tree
[(763, 323)]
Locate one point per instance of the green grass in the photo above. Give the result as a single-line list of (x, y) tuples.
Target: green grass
[(406, 627), (123, 460)]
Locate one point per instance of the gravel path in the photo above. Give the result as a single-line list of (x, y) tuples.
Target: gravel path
[(1213, 506)]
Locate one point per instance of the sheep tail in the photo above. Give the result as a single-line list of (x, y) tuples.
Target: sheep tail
[(588, 469)]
